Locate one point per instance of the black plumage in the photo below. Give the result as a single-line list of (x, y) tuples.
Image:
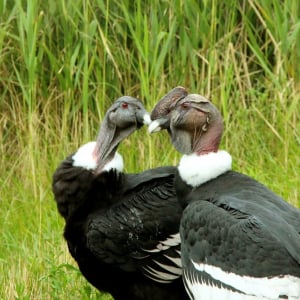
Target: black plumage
[(267, 221), (122, 229), (238, 239)]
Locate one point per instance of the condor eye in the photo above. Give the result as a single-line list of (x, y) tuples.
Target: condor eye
[(185, 105), (124, 105)]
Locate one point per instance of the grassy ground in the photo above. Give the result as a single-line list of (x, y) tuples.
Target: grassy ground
[(62, 64)]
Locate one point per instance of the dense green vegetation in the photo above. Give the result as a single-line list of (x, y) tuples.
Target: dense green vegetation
[(62, 63)]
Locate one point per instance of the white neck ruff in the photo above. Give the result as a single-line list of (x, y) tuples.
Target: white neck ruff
[(197, 169), (84, 158)]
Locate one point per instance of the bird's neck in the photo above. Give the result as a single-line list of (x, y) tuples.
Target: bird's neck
[(108, 140), (205, 142), (101, 155)]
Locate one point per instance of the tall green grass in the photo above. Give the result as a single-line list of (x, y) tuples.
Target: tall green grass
[(62, 63)]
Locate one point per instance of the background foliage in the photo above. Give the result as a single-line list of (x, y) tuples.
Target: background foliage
[(62, 63)]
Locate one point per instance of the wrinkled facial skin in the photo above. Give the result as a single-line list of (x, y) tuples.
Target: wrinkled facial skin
[(196, 125), (161, 113), (186, 124), (163, 107), (188, 116)]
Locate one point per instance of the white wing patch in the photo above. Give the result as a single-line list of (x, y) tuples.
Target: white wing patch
[(160, 276), (172, 240), (171, 273), (165, 272), (253, 288), (176, 260), (171, 269), (203, 291)]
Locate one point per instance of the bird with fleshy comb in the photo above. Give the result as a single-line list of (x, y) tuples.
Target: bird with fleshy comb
[(239, 240)]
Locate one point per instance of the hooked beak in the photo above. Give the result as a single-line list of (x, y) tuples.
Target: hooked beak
[(161, 113), (143, 117), (159, 124)]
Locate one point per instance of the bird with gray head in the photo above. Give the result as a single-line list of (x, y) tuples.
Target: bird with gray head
[(122, 229), (239, 240)]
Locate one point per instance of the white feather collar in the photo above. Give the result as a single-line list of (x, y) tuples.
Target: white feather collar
[(84, 158), (196, 169)]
